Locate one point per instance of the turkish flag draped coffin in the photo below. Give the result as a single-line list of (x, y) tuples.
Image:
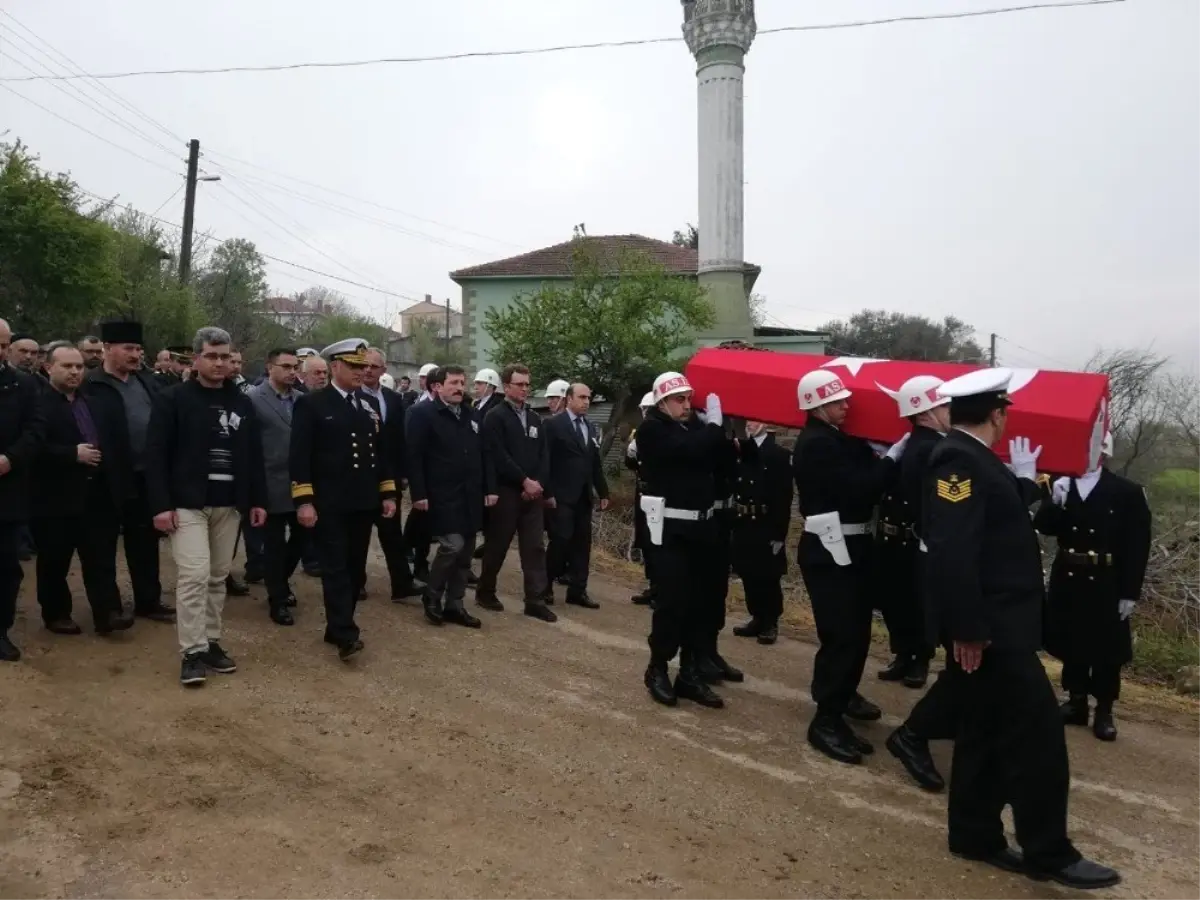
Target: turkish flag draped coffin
[(1066, 413)]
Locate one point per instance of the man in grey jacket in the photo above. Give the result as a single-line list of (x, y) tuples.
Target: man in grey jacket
[(283, 539)]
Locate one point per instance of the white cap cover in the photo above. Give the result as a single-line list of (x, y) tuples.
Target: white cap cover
[(818, 387), (981, 381), (669, 383), (917, 395)]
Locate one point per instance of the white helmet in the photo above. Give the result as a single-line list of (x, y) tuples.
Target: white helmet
[(558, 388), (306, 352), (1106, 446), (488, 375), (818, 387), (917, 395), (387, 381), (426, 369), (669, 383), (647, 400)]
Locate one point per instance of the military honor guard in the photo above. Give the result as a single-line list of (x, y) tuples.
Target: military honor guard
[(341, 480), (762, 504), (987, 595), (839, 480), (641, 536), (1101, 521), (711, 666)]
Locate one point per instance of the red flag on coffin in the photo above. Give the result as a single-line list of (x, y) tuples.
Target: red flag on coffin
[(1064, 412)]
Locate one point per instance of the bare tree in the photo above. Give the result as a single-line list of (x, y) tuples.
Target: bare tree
[(1136, 401), (1181, 410)]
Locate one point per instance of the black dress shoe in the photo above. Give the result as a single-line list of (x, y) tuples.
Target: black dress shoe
[(728, 672), (913, 753), (865, 747), (658, 683), (540, 611), (478, 553), (459, 616), (896, 669), (583, 600), (235, 588), (688, 686), (708, 671), (769, 635), (1103, 726), (312, 571), (64, 626), (547, 596), (862, 710), (1075, 710), (828, 734), (158, 613), (642, 599), (433, 611), (291, 598), (492, 603), (751, 628), (8, 650), (281, 615), (1008, 859), (917, 674), (563, 580), (349, 650), (1082, 874), (114, 622), (413, 589)]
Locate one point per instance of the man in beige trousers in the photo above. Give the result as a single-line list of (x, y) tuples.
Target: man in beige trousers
[(204, 471)]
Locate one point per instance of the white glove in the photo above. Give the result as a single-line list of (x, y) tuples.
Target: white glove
[(712, 409), (1023, 461), (1058, 493), (880, 449), (897, 449), (776, 546), (1125, 608), (701, 416), (631, 450)]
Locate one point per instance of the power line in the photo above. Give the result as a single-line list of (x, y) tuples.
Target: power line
[(561, 48), (174, 194)]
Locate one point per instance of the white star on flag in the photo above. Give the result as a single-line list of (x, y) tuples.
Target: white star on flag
[(851, 363)]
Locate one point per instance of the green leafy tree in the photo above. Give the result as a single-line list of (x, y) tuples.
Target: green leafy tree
[(892, 335), (231, 286), (688, 237), (429, 343), (614, 325)]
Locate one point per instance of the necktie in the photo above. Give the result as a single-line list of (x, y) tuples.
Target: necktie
[(582, 429), (350, 400)]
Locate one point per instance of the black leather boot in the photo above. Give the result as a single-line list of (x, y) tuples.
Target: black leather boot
[(913, 752), (896, 669), (751, 628), (1103, 725), (1075, 710), (831, 735), (917, 674), (690, 686), (658, 683)]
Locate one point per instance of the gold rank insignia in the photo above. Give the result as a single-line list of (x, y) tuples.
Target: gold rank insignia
[(1043, 480), (954, 491)]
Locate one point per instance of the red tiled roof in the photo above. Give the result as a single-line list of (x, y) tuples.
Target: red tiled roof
[(552, 262), (284, 305)]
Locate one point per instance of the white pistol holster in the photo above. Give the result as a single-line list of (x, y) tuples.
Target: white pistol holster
[(653, 508), (828, 527)]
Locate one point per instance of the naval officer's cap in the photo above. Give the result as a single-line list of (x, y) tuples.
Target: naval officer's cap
[(352, 351), (983, 390)]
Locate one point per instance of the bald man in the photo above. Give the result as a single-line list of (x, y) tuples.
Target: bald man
[(21, 429)]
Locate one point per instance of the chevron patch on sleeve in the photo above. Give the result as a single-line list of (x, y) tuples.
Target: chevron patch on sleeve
[(953, 490)]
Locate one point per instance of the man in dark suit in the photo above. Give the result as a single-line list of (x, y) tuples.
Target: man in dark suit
[(81, 479), (516, 467), (21, 428), (987, 595), (576, 474), (341, 481), (446, 479)]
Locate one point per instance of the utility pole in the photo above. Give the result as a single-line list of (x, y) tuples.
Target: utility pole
[(446, 354), (992, 352), (189, 211)]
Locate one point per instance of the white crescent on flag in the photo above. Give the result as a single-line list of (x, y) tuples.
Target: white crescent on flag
[(852, 363)]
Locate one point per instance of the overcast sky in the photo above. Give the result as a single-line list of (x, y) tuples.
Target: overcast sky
[(1035, 174)]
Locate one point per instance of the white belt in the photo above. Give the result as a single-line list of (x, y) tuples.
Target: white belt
[(686, 515), (857, 528), (219, 476), (722, 504)]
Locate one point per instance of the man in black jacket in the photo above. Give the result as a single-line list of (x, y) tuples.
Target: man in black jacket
[(121, 375), (987, 595), (445, 468), (21, 429), (204, 470), (576, 472), (341, 480), (838, 481), (81, 479), (641, 536), (516, 468)]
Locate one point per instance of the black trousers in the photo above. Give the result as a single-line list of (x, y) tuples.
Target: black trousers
[(842, 607), (1010, 750), (687, 564), (716, 587), (1101, 681), (255, 540), (935, 716), (570, 549), (284, 542), (342, 540), (764, 597), (449, 569), (395, 552), (418, 538), (523, 518), (93, 535), (11, 573), (141, 548), (308, 550)]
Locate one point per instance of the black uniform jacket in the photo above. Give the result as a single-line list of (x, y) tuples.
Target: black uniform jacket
[(177, 449), (61, 483), (338, 456), (392, 427), (762, 507), (984, 565), (22, 422), (1103, 548), (677, 462), (512, 453), (445, 467), (835, 472), (576, 469)]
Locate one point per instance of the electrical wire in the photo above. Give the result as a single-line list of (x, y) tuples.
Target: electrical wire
[(174, 194), (541, 51)]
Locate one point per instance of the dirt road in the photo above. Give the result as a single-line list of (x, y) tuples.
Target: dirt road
[(521, 760)]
